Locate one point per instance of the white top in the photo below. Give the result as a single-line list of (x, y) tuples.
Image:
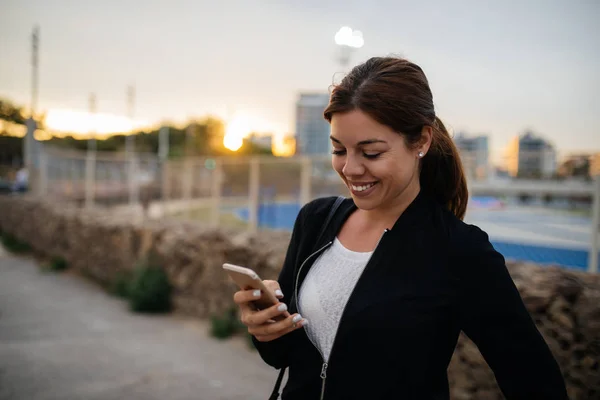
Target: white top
[(325, 292)]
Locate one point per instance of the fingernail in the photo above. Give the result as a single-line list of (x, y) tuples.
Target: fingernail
[(297, 318), (282, 307), (256, 293), (304, 322), (278, 293)]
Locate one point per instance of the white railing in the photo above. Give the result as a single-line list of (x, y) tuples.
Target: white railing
[(216, 185), (594, 246)]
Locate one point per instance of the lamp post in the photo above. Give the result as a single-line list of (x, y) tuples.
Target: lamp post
[(132, 166), (90, 160), (30, 147), (348, 41)]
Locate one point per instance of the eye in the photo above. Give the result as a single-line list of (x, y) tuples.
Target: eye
[(371, 156), (338, 152)]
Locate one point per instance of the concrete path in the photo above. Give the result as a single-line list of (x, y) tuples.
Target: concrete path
[(63, 338)]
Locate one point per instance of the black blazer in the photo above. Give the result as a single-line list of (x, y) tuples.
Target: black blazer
[(430, 277)]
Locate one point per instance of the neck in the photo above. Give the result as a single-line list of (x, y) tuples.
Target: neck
[(388, 214)]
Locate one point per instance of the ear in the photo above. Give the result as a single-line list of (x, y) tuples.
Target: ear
[(425, 142)]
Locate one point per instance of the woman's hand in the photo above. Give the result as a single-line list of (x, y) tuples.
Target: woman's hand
[(262, 324)]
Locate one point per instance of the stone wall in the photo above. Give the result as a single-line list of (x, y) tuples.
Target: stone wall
[(565, 304)]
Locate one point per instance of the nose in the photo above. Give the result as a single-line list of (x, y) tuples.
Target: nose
[(353, 166)]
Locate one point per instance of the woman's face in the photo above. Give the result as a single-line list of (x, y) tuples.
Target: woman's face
[(374, 161)]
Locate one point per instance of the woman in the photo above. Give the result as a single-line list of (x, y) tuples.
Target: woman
[(374, 310)]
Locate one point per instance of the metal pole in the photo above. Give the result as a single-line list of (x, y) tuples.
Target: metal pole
[(253, 203), (188, 178), (132, 178), (163, 143), (215, 192), (29, 141), (43, 184), (90, 161), (35, 42), (594, 247), (305, 180), (130, 139), (190, 140), (133, 188), (163, 155)]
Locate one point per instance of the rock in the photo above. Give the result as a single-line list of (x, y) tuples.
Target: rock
[(564, 304)]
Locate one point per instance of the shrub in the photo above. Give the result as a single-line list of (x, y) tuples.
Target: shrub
[(149, 290), (58, 264), (120, 284), (14, 245), (225, 326)]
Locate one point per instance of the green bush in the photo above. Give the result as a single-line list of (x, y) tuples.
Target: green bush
[(120, 284), (225, 326), (58, 264), (150, 289), (220, 327), (14, 245)]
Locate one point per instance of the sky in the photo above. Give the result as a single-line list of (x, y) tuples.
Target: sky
[(495, 68)]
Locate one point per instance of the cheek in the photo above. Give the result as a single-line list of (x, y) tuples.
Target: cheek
[(395, 170), (338, 164)]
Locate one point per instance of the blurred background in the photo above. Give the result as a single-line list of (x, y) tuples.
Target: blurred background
[(210, 113), (220, 105)]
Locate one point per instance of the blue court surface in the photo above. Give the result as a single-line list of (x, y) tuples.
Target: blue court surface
[(542, 236)]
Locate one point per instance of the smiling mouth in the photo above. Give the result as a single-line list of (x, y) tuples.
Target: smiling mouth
[(362, 188)]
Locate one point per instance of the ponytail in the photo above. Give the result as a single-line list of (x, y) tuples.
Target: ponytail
[(442, 174)]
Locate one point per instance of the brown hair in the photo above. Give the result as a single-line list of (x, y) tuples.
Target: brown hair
[(395, 93)]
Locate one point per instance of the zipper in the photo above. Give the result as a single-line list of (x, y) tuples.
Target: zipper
[(298, 305), (325, 363), (324, 366), (323, 379)]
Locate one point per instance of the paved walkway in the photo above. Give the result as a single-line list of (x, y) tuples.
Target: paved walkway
[(62, 338)]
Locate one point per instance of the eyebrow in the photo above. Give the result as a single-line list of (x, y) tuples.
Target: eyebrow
[(362, 142)]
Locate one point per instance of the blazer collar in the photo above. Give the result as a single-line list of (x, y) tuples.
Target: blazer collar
[(419, 209)]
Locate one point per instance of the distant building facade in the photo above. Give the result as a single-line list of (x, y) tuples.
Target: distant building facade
[(474, 153), (312, 130), (262, 141), (531, 156), (595, 164), (576, 166)]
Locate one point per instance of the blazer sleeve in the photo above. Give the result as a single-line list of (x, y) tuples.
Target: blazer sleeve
[(276, 352), (494, 317)]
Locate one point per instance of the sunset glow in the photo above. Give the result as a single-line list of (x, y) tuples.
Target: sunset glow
[(84, 123), (241, 125), (235, 132)]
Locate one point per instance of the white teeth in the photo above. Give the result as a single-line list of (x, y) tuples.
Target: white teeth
[(362, 188)]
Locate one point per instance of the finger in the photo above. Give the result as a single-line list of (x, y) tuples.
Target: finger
[(285, 331), (246, 296), (274, 286), (279, 328), (263, 316), (245, 309)]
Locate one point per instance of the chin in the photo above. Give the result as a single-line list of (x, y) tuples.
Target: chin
[(365, 204)]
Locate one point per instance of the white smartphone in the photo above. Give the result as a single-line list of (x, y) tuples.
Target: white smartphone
[(247, 279)]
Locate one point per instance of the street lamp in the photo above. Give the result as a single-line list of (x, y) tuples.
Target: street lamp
[(348, 40)]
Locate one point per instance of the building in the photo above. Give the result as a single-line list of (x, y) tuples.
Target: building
[(595, 164), (576, 166), (264, 141), (530, 156), (474, 153), (312, 130)]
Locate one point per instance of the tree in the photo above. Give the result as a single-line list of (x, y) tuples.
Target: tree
[(16, 114), (11, 113)]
